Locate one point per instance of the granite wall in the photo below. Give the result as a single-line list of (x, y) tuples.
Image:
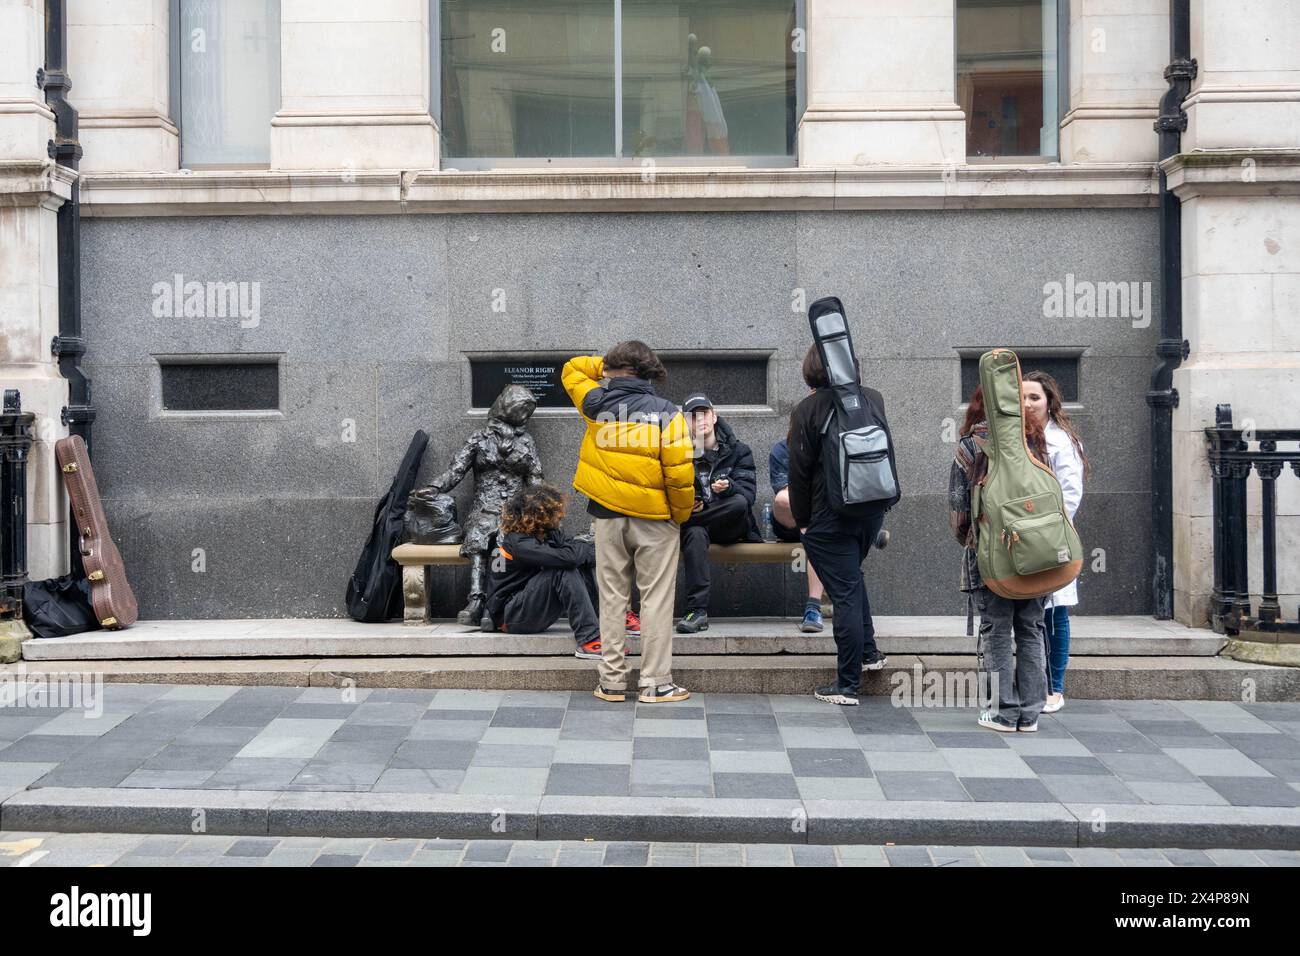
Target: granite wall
[(263, 516)]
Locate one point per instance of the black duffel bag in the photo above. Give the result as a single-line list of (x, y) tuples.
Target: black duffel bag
[(58, 607)]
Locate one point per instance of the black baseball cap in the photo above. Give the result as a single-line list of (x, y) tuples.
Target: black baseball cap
[(695, 402)]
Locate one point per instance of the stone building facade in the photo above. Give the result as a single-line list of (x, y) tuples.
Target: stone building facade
[(310, 228)]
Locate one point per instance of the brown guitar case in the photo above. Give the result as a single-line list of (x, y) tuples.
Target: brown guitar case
[(110, 594)]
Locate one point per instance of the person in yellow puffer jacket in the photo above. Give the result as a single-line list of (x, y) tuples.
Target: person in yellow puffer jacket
[(636, 468)]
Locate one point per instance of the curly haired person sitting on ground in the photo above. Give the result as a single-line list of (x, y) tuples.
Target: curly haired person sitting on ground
[(539, 574)]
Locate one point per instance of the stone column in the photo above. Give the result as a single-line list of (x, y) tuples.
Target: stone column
[(1117, 56), (31, 190), (1239, 179), (880, 84), (118, 57), (26, 123), (354, 86), (1247, 88)]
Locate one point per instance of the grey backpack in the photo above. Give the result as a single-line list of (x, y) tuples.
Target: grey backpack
[(857, 453)]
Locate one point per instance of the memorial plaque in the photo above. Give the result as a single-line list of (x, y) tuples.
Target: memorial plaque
[(729, 380), (540, 375)]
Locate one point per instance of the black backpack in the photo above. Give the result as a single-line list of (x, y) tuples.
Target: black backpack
[(375, 589), (857, 451)]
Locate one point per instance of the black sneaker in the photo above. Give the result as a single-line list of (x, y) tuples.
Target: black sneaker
[(693, 622), (837, 695), (882, 539), (875, 661)]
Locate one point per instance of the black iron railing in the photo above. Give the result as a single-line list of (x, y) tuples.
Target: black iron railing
[(15, 444), (1231, 461)]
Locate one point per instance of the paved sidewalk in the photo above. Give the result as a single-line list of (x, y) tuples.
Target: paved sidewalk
[(532, 743), (750, 757), (118, 849)]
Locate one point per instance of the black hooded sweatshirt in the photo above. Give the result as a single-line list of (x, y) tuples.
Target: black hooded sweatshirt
[(517, 557), (731, 459)]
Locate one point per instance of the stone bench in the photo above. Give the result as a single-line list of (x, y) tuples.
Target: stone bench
[(417, 561)]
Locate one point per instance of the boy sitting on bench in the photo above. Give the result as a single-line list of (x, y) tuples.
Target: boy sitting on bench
[(539, 574), (725, 486)]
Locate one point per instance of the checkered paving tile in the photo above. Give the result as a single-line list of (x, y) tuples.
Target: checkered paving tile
[(717, 745)]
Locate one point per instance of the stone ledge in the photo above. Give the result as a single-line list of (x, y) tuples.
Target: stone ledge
[(1276, 653), (1101, 678), (940, 822), (112, 810), (668, 819), (446, 816), (672, 819), (35, 182), (1234, 172), (1131, 825), (338, 638), (654, 188)]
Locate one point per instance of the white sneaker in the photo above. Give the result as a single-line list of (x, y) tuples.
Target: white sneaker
[(663, 694), (1054, 703), (992, 720)]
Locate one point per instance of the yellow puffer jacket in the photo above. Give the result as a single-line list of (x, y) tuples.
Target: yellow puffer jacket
[(630, 461)]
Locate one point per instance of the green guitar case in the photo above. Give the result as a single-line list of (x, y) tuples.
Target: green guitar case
[(1026, 546)]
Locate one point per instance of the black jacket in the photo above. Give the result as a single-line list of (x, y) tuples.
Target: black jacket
[(731, 459), (807, 478), (517, 557)]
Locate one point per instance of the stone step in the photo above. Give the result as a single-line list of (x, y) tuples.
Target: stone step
[(1095, 678), (666, 819), (213, 639)]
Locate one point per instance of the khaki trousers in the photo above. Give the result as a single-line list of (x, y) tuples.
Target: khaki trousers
[(647, 549)]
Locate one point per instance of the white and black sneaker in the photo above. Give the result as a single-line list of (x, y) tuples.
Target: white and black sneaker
[(836, 695), (875, 661), (992, 720), (663, 694)]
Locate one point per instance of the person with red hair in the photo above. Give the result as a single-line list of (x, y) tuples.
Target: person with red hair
[(1017, 695)]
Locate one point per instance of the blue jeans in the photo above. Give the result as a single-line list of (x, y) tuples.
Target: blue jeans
[(1056, 626)]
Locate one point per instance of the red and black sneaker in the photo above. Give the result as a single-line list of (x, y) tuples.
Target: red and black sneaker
[(633, 624), (589, 651)]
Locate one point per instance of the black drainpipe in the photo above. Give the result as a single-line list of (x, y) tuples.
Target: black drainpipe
[(65, 149), (1163, 397)]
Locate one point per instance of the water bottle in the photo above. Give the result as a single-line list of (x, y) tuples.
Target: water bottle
[(769, 533)]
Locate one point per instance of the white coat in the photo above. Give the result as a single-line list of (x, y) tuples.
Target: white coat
[(1065, 461)]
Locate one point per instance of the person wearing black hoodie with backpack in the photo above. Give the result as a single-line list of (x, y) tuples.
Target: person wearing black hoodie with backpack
[(836, 545), (726, 484)]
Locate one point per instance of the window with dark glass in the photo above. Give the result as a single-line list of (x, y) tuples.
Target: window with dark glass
[(618, 79), (1007, 76)]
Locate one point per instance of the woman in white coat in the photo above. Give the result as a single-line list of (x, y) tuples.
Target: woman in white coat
[(1042, 400)]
